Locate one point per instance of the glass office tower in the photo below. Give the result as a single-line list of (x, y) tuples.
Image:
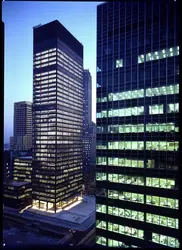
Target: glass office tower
[(137, 175), (57, 117)]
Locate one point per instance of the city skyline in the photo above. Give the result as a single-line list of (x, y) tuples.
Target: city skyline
[(19, 30)]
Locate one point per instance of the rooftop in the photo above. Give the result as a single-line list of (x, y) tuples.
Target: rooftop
[(16, 183), (24, 157)]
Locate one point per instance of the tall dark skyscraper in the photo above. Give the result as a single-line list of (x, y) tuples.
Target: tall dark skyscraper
[(87, 99), (137, 171), (57, 117), (87, 121)]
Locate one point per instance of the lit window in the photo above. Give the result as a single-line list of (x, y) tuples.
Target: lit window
[(119, 63)]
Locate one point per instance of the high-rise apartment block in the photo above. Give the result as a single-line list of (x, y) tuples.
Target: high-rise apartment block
[(57, 177), (137, 172), (22, 138)]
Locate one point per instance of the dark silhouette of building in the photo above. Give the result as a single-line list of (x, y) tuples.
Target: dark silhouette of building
[(89, 131), (137, 171), (8, 165), (57, 177), (87, 99)]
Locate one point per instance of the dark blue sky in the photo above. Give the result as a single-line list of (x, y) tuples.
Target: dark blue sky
[(19, 18)]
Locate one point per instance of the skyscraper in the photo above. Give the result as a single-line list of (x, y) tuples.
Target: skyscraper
[(137, 171), (87, 99), (22, 138), (57, 117), (87, 120)]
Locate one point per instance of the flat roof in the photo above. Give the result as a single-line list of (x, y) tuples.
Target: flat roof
[(16, 183), (24, 157)]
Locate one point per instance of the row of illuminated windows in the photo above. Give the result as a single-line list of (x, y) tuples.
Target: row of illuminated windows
[(138, 128), (71, 59), (17, 179), (111, 243), (162, 202), (46, 64), (45, 52), (69, 91), (17, 173), (70, 99), (165, 240), (44, 88), (70, 81), (71, 88), (23, 196), (54, 142), (120, 212), (17, 163), (139, 145), (123, 162), (121, 112), (70, 64), (48, 58), (164, 90), (10, 196), (45, 81), (45, 73), (162, 220), (153, 109), (139, 198), (71, 70), (120, 229), (63, 116), (70, 119), (134, 180), (161, 54), (10, 188), (61, 97), (139, 216), (45, 132)]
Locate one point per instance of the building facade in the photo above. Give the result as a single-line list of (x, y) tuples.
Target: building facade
[(8, 165), (137, 171), (87, 97), (22, 137), (22, 169), (16, 194), (57, 177), (88, 125)]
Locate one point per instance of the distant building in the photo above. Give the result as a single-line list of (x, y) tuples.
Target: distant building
[(87, 98), (12, 143), (22, 137), (57, 177), (22, 169), (17, 194), (88, 128)]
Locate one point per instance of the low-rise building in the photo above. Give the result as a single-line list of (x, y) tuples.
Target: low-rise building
[(17, 194), (22, 170)]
